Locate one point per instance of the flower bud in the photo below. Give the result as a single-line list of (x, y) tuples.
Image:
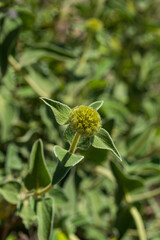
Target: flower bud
[(85, 120)]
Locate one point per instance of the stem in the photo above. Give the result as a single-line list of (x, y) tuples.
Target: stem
[(139, 223), (46, 189), (74, 143), (137, 218), (36, 194), (146, 195)]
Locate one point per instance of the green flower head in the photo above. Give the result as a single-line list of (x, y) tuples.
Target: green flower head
[(85, 120)]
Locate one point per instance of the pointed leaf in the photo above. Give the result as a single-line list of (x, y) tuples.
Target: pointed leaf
[(45, 218), (96, 105), (6, 47), (67, 158), (103, 140), (10, 191), (125, 182), (38, 176), (60, 110), (66, 161), (27, 214)]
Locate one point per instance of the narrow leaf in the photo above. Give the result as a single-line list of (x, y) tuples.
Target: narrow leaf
[(103, 140), (6, 48), (45, 218), (60, 110), (96, 105), (38, 176)]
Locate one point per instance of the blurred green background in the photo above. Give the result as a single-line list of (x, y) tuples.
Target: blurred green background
[(77, 52)]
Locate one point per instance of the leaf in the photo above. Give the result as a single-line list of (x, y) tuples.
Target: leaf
[(70, 159), (56, 51), (44, 84), (45, 218), (27, 214), (6, 47), (10, 191), (12, 159), (123, 220), (96, 105), (125, 182), (8, 113), (103, 140), (38, 175), (66, 161), (84, 143), (60, 110)]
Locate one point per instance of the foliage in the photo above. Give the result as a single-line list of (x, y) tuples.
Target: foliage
[(67, 54)]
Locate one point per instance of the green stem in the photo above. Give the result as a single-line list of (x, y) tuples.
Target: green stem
[(146, 195), (139, 223), (74, 143), (137, 218), (36, 194)]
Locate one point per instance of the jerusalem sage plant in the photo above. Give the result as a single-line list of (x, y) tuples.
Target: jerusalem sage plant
[(83, 130)]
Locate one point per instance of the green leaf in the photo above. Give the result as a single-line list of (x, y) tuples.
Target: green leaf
[(45, 218), (70, 159), (38, 176), (56, 51), (66, 161), (13, 162), (6, 47), (27, 214), (96, 105), (125, 182), (103, 140), (8, 113), (84, 143), (60, 110), (10, 191), (123, 220)]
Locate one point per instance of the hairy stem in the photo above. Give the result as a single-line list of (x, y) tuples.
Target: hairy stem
[(36, 194), (74, 143)]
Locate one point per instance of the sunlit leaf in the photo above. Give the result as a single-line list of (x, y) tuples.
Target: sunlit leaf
[(60, 110), (103, 140)]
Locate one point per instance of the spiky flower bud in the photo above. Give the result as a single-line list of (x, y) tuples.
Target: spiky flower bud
[(85, 120)]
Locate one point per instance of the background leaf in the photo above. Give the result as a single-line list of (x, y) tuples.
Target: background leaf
[(126, 183), (10, 191), (96, 105)]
